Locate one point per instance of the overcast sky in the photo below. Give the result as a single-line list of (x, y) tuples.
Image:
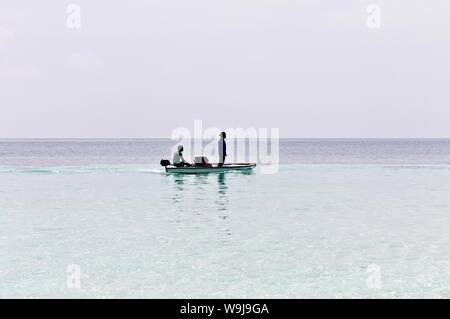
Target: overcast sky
[(311, 68)]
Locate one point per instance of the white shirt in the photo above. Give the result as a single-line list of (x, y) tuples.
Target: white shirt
[(177, 158)]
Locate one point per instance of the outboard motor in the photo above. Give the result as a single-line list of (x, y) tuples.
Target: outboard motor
[(164, 162)]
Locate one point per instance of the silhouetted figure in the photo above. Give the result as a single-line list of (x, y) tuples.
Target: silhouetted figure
[(222, 148)]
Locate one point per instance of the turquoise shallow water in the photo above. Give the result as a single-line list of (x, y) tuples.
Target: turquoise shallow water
[(311, 230)]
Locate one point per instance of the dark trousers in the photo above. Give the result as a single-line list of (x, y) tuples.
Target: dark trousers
[(222, 161), (182, 165)]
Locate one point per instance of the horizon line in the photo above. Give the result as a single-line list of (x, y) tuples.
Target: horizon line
[(168, 138)]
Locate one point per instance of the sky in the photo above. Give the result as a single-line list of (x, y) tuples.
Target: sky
[(142, 68)]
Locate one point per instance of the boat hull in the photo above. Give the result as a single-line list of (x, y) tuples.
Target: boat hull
[(214, 169)]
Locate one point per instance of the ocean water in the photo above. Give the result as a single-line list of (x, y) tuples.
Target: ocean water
[(340, 219)]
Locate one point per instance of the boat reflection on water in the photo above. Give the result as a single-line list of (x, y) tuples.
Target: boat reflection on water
[(203, 199), (222, 200), (178, 182), (187, 188)]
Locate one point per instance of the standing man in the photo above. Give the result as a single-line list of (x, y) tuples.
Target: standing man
[(222, 148)]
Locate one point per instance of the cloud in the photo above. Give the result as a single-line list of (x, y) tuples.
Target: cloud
[(6, 35), (17, 71), (84, 61)]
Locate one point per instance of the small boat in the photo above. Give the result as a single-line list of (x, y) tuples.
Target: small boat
[(210, 169)]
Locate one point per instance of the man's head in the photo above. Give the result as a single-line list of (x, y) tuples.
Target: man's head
[(180, 149), (223, 135)]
